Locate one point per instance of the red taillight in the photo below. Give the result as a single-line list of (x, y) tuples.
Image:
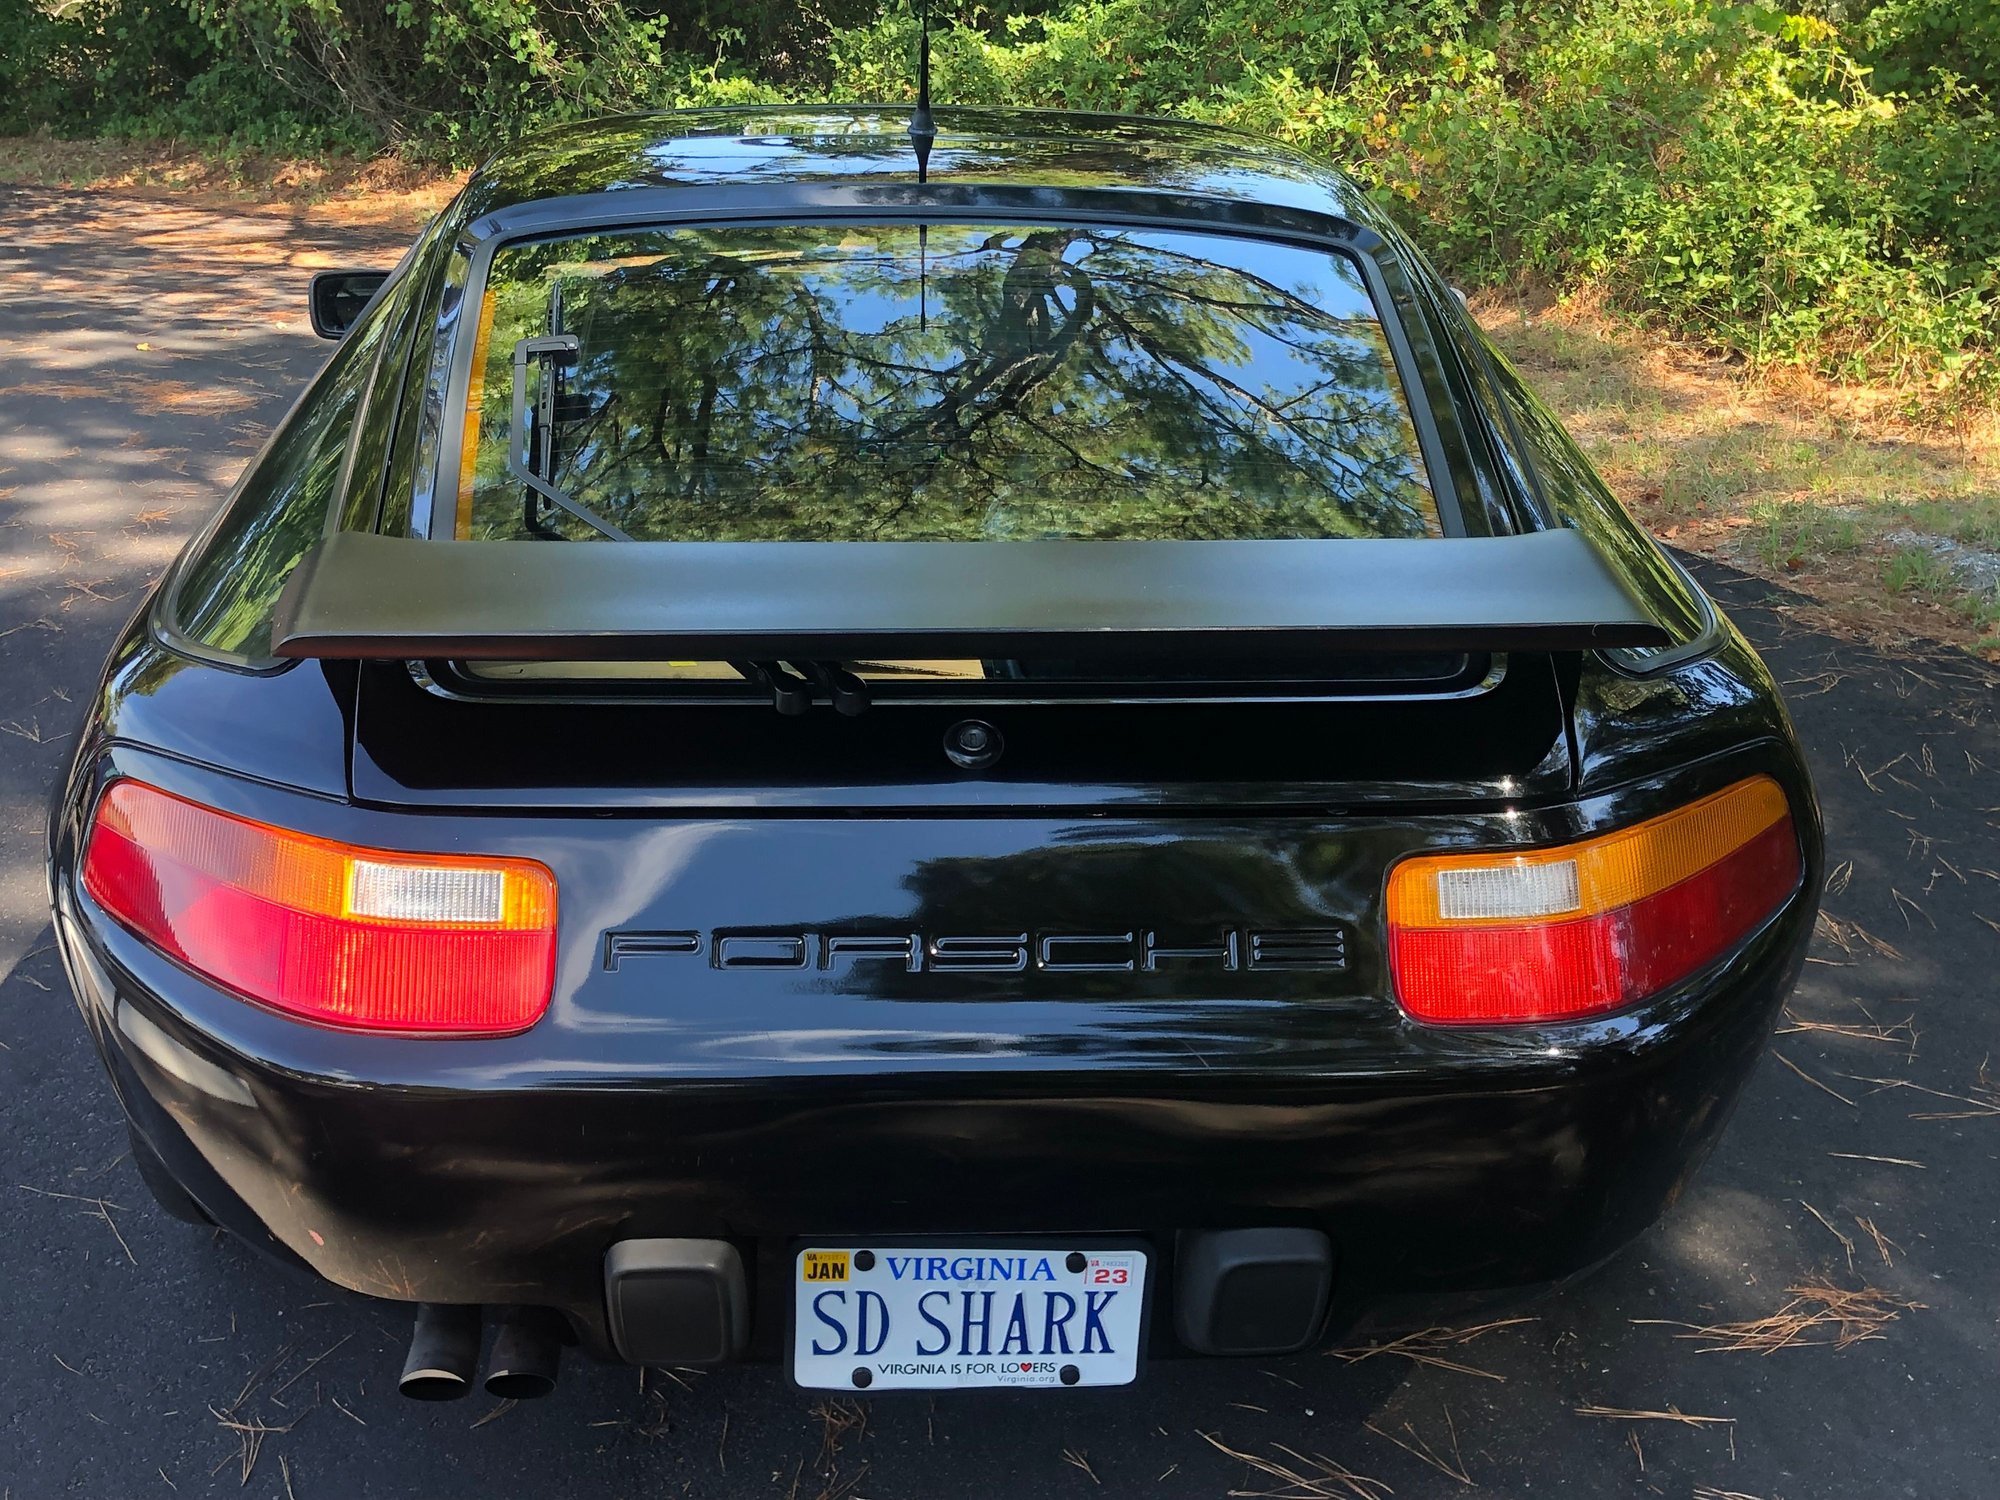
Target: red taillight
[(374, 939), (1495, 939)]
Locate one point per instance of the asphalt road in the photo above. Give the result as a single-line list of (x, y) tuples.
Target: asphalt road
[(146, 350)]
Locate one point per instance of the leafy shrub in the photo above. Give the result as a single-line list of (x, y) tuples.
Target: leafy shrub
[(1910, 42), (84, 61), (437, 78)]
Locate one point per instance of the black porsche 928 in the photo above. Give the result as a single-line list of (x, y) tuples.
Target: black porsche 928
[(955, 759)]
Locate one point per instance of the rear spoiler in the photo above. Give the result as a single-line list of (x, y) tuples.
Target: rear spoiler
[(358, 595)]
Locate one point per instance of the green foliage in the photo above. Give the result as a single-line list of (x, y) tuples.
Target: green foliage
[(438, 79), (1174, 57), (1910, 42), (87, 61), (1825, 191)]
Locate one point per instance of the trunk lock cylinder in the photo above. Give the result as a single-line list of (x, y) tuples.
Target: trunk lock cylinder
[(973, 744)]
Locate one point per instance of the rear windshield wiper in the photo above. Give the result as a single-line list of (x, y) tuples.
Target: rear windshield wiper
[(846, 692), (552, 351), (791, 692)]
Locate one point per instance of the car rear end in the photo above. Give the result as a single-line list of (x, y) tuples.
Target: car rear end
[(938, 990)]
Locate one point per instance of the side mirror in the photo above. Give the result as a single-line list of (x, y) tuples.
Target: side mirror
[(339, 298)]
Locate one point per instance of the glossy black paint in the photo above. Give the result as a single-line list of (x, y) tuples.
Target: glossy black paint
[(739, 1046)]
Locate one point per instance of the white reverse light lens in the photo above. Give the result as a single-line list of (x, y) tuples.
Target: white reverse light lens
[(1508, 891), (416, 893)]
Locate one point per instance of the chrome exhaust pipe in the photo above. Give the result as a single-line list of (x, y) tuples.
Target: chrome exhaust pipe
[(527, 1351), (444, 1352)]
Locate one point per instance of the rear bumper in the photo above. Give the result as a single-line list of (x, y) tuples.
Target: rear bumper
[(1478, 1170)]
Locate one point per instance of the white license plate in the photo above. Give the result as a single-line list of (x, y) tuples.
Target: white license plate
[(901, 1318)]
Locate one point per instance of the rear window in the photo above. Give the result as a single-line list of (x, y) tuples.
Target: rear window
[(942, 382)]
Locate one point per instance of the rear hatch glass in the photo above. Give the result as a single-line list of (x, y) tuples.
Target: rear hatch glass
[(938, 382)]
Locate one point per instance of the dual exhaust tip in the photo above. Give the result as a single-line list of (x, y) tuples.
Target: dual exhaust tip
[(444, 1353)]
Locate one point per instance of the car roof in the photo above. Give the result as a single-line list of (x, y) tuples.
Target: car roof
[(865, 145)]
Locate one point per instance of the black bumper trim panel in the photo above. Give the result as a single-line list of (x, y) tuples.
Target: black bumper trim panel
[(676, 1301)]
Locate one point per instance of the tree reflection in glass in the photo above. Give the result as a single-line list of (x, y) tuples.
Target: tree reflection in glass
[(841, 383)]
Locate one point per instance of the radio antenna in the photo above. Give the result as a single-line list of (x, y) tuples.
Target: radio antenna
[(923, 130), (923, 135)]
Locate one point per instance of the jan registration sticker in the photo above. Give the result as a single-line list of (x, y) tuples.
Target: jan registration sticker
[(908, 1318), (822, 1266)]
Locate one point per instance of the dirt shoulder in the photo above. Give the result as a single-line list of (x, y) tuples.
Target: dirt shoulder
[(375, 192), (1892, 530)]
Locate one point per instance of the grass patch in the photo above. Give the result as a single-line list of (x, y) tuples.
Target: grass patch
[(1914, 570), (1789, 537)]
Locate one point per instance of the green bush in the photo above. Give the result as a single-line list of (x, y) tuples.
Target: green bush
[(1910, 42), (427, 72), (438, 79), (78, 64), (1800, 188)]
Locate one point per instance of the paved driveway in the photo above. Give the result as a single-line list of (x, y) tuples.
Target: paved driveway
[(147, 348)]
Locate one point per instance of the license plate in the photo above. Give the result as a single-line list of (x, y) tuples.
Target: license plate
[(930, 1317)]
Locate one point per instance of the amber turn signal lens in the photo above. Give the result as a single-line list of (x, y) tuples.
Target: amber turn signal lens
[(374, 939), (1498, 938)]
